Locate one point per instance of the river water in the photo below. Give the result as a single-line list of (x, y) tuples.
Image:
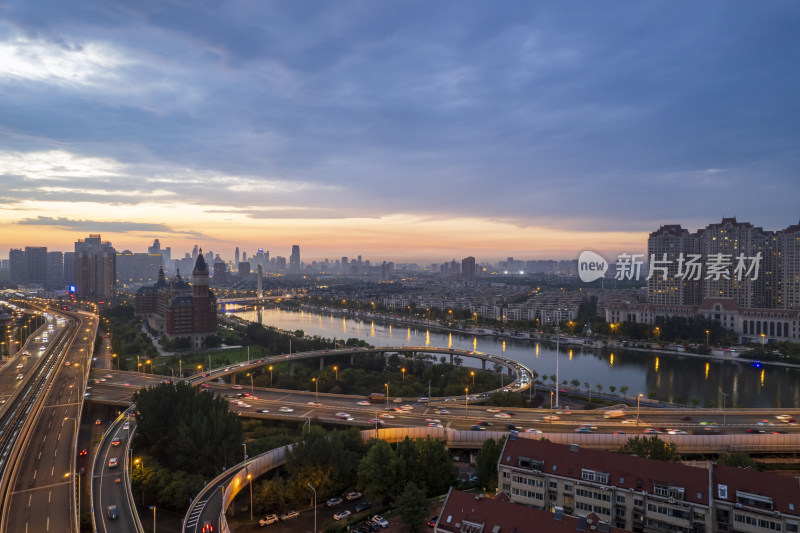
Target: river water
[(672, 378)]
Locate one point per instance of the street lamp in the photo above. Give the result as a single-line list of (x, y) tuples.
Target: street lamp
[(638, 397), (466, 399), (316, 388), (315, 506), (551, 400), (153, 507), (707, 337), (252, 391), (387, 395), (403, 370), (250, 482), (472, 373), (723, 407), (270, 376), (148, 362), (336, 371), (763, 340)]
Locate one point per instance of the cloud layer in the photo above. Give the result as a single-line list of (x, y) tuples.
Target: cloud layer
[(611, 117)]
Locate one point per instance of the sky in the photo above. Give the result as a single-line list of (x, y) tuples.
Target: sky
[(401, 130)]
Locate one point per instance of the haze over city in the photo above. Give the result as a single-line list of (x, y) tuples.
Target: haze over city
[(407, 130)]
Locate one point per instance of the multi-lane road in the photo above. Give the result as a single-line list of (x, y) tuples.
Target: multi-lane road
[(109, 484), (41, 491)]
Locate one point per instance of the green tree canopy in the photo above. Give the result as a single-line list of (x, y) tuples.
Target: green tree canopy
[(188, 430), (413, 506), (486, 461), (377, 472), (650, 448)]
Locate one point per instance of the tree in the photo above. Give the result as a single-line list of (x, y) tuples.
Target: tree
[(623, 390), (377, 471), (575, 383), (612, 388), (738, 460), (588, 390), (650, 448), (599, 387), (413, 506), (486, 461)]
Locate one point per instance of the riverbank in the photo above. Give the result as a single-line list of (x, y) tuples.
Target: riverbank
[(589, 343)]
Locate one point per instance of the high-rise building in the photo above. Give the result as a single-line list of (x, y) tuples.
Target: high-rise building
[(55, 270), (236, 258), (17, 267), (294, 260), (69, 268), (220, 273), (156, 248), (468, 269), (244, 269), (734, 260), (95, 269), (36, 265)]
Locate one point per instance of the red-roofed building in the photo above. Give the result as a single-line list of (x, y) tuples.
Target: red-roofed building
[(644, 495), (469, 513)]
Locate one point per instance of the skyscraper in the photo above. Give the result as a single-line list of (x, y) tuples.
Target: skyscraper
[(236, 258), (95, 268), (468, 269), (294, 260)]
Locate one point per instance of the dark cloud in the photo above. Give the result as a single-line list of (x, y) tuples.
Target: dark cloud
[(102, 226), (615, 116)]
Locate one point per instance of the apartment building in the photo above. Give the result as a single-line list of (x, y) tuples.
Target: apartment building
[(643, 495)]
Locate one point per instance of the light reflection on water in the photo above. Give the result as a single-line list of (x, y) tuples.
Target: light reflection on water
[(672, 378)]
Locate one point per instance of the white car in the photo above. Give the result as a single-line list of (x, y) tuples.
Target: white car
[(380, 520), (502, 415), (629, 421), (112, 463), (364, 402), (385, 415), (532, 430), (286, 410), (342, 515), (270, 519)]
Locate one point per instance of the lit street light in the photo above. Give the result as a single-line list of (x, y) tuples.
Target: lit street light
[(387, 395), (638, 397), (466, 400), (472, 373), (707, 332), (403, 370), (153, 507), (270, 376), (336, 371), (316, 388), (252, 391), (250, 482)]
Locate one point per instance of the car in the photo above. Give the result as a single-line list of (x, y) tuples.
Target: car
[(206, 386), (751, 430), (407, 407), (783, 417), (20, 376), (116, 441), (112, 463), (372, 526), (651, 431), (20, 365), (583, 430), (533, 430), (239, 387), (434, 425), (677, 432), (286, 410), (433, 420), (289, 515), (269, 519), (476, 427), (550, 418), (84, 452), (442, 412), (315, 404), (377, 421), (352, 495), (493, 410), (363, 506), (397, 400), (263, 410), (342, 515), (385, 415), (343, 416), (244, 405), (97, 422), (629, 421), (334, 502), (363, 402), (502, 415), (207, 527), (432, 521), (66, 363), (109, 376), (126, 425), (112, 512), (380, 520), (484, 423), (686, 418)]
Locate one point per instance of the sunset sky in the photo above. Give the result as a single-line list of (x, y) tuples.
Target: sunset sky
[(411, 130)]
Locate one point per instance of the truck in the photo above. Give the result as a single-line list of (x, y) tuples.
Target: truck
[(614, 413), (376, 397)]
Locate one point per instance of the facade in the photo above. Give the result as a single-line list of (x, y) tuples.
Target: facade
[(137, 267), (95, 269), (644, 495), (177, 309), (751, 324), (769, 263), (294, 260), (468, 271), (467, 513)]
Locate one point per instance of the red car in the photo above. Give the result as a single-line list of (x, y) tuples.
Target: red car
[(84, 452)]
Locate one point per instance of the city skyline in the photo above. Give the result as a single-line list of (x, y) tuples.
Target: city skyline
[(412, 131)]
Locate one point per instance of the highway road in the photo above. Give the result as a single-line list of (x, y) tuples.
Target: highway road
[(41, 494), (106, 490), (455, 414)]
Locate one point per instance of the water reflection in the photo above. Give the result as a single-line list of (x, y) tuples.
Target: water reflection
[(678, 377)]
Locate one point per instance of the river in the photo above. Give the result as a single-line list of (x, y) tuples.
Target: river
[(672, 378)]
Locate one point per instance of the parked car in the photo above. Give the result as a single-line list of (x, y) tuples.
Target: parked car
[(342, 515), (432, 521), (270, 519), (378, 519), (333, 502), (290, 515), (352, 495), (363, 506)]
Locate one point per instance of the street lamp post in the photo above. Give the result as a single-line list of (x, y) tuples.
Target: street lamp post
[(153, 507), (316, 389), (387, 395), (763, 340), (336, 372), (315, 506), (723, 407), (638, 397), (466, 399), (250, 482), (244, 445), (252, 388), (75, 425), (270, 376), (707, 332), (472, 373), (403, 371)]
